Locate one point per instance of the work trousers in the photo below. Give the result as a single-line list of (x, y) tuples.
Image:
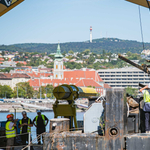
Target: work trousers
[(24, 139), (38, 132), (147, 120)]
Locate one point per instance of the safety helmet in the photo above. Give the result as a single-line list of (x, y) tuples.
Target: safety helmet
[(12, 115), (24, 112), (9, 116), (38, 111)]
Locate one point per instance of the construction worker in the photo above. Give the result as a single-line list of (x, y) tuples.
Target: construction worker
[(41, 122), (10, 132), (25, 125), (146, 108)]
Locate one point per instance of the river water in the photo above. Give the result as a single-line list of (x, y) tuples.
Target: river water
[(31, 115)]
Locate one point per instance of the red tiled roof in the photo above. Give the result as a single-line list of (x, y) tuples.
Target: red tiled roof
[(16, 75), (56, 82), (83, 74), (87, 82), (21, 62), (106, 86), (38, 75), (34, 82), (1, 59)]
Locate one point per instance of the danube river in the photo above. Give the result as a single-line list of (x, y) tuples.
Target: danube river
[(31, 115)]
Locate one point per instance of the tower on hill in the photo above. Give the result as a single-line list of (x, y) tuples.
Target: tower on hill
[(90, 34), (58, 64)]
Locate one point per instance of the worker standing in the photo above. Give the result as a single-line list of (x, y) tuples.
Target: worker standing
[(25, 125), (41, 122), (10, 132), (146, 108)]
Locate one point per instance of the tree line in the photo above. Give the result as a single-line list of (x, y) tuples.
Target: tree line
[(112, 45), (24, 90)]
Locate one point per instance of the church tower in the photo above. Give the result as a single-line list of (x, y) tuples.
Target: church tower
[(58, 64)]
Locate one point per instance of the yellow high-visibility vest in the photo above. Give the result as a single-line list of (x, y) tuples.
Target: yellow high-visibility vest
[(10, 133), (28, 129), (146, 96), (42, 118)]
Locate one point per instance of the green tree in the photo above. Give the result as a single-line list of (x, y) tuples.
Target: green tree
[(6, 91), (129, 53), (86, 52), (104, 52), (6, 69), (64, 53), (45, 90), (52, 56), (19, 64), (132, 91), (3, 53), (91, 60), (24, 90), (49, 91), (71, 52)]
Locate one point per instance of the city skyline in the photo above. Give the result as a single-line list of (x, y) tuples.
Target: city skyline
[(69, 21)]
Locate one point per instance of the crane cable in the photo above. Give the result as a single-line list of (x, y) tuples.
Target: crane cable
[(141, 28), (149, 10)]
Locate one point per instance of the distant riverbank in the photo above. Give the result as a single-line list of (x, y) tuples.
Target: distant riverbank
[(12, 107)]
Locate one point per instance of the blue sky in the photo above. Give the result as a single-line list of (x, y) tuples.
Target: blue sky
[(50, 21)]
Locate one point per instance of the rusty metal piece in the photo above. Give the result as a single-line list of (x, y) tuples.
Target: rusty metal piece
[(113, 131), (138, 141), (73, 141), (59, 125), (116, 118), (143, 67)]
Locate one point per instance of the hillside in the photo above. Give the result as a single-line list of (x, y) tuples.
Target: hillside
[(112, 45)]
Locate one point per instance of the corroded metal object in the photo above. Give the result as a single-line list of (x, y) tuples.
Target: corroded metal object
[(59, 125), (143, 67), (115, 129), (116, 119)]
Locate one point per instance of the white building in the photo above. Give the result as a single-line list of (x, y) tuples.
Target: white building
[(11, 79), (123, 77)]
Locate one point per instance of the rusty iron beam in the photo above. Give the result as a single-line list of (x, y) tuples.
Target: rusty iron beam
[(143, 67)]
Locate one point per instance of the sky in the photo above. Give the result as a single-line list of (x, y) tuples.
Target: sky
[(53, 21)]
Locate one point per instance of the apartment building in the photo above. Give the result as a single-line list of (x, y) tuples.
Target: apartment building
[(123, 77)]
